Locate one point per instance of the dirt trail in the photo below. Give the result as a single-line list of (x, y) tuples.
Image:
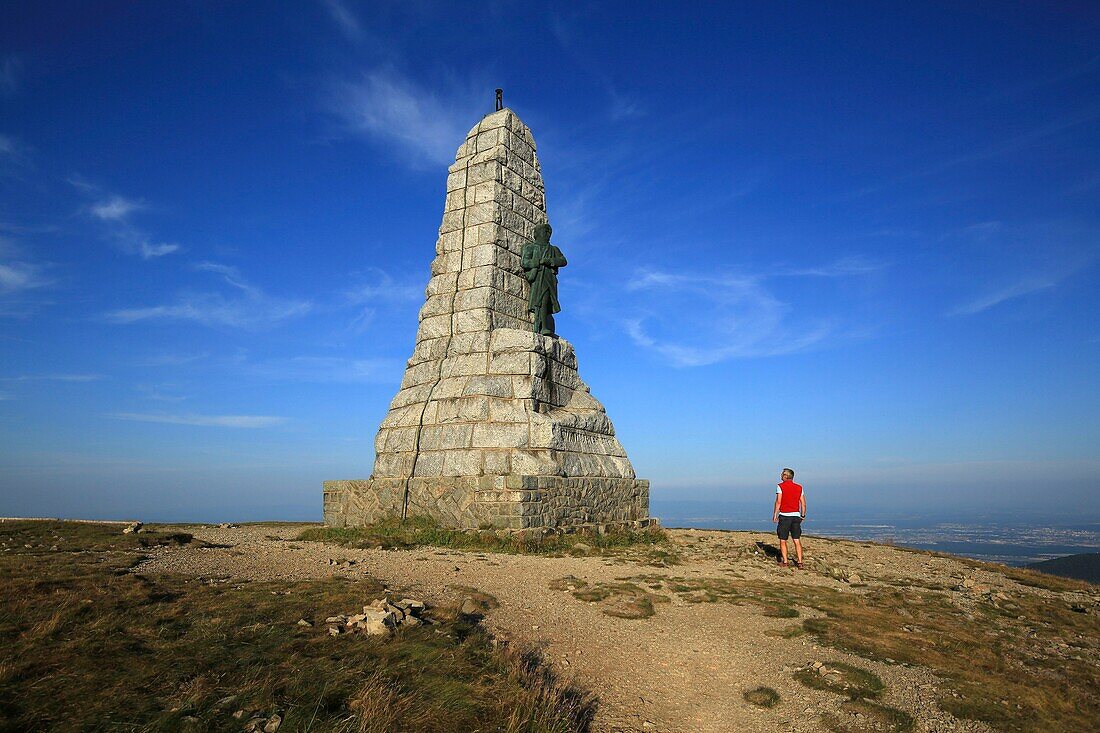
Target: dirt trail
[(683, 669)]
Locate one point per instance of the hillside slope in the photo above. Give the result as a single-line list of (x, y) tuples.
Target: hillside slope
[(1085, 566)]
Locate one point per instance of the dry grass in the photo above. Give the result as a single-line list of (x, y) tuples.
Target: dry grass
[(618, 599), (843, 679), (1003, 660), (787, 632), (87, 645), (864, 716)]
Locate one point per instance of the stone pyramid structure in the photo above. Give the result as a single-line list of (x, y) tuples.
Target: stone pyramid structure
[(493, 426)]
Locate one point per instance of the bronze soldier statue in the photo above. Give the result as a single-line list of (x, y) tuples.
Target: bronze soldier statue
[(541, 261)]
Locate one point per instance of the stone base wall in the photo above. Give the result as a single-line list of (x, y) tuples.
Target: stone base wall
[(498, 502)]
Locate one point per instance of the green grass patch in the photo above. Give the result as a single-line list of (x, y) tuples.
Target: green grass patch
[(764, 697), (787, 632), (85, 644), (618, 599), (843, 679)]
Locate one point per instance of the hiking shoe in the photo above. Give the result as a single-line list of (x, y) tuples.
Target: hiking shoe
[(799, 566)]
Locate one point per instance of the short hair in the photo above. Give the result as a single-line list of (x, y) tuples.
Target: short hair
[(789, 470), (549, 230)]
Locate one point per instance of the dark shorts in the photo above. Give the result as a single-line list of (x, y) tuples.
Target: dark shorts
[(789, 526)]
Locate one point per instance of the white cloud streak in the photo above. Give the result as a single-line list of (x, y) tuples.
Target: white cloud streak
[(14, 156), (248, 307), (115, 212), (17, 274), (843, 267), (380, 290), (330, 369), (1020, 260), (53, 378), (727, 317), (1016, 290), (11, 69), (392, 109), (345, 19), (221, 421), (115, 208)]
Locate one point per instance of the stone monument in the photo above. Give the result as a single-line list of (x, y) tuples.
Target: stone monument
[(492, 426)]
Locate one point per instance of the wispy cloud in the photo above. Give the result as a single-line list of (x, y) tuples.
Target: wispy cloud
[(11, 72), (15, 156), (1016, 290), (344, 18), (160, 393), (247, 306), (167, 359), (388, 107), (695, 320), (1011, 145), (378, 289), (116, 212), (17, 272), (221, 421), (1033, 84), (329, 369), (115, 208), (567, 31), (843, 267), (53, 378), (1018, 260)]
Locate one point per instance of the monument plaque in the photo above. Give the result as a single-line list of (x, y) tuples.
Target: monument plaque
[(492, 426)]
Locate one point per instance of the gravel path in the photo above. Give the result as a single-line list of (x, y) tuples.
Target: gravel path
[(683, 669)]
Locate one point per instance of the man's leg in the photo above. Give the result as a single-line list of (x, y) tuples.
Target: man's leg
[(783, 551), (548, 322), (798, 550)]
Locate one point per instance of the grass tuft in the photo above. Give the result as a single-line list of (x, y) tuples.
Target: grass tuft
[(843, 679), (764, 697)]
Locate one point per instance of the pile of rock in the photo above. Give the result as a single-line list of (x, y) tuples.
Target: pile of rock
[(132, 528), (379, 618)]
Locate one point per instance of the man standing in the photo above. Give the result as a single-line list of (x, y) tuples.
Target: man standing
[(541, 261), (790, 510)]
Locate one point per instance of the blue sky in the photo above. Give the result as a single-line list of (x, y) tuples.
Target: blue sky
[(857, 239)]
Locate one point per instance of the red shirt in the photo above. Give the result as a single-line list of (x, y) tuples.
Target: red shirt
[(791, 492)]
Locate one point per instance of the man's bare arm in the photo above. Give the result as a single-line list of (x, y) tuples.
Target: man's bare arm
[(802, 505), (775, 511)]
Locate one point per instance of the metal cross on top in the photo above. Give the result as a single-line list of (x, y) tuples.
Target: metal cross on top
[(500, 99)]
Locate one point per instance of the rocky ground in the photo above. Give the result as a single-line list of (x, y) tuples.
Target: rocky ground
[(641, 634)]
